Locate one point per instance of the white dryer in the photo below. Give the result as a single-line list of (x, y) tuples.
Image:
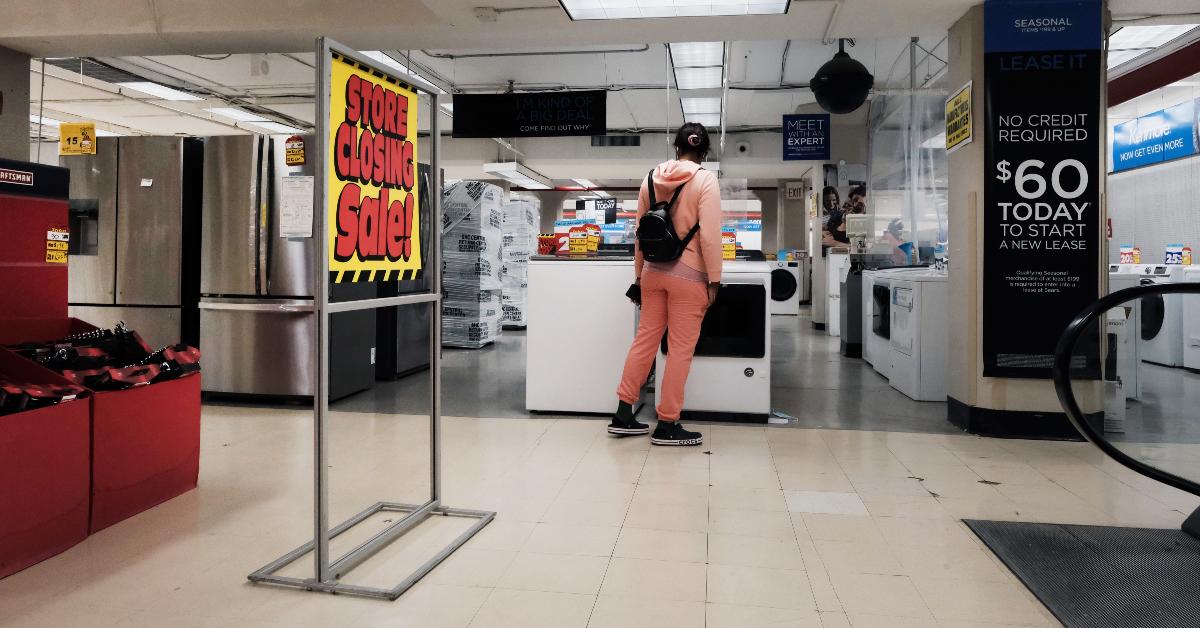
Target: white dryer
[(730, 376), (1191, 322), (1160, 328), (919, 336), (786, 288), (1120, 277)]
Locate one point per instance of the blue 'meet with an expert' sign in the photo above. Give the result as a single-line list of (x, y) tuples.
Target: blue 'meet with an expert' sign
[(1156, 137), (806, 137)]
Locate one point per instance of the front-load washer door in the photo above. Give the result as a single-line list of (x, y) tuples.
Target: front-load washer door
[(783, 284), (881, 310), (1153, 315), (735, 326)]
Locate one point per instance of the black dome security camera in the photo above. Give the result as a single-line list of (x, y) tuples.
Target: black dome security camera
[(842, 84)]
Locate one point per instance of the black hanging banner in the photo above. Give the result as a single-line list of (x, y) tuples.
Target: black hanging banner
[(1043, 172), (539, 114)]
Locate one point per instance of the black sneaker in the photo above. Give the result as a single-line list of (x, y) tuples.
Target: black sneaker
[(623, 423), (672, 433)]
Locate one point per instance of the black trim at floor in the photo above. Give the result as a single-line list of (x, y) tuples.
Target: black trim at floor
[(1015, 423)]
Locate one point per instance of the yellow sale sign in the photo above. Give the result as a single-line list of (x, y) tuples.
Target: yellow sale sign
[(371, 168), (77, 138)]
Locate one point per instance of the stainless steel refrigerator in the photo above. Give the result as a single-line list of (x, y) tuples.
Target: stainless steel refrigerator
[(256, 303), (134, 249)]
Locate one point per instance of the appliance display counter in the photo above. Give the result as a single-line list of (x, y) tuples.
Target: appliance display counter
[(580, 327)]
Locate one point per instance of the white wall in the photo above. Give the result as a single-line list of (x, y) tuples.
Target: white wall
[(1154, 206)]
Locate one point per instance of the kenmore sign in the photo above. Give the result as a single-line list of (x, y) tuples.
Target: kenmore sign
[(1157, 137)]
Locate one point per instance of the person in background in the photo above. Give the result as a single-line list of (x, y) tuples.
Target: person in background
[(835, 228), (674, 295)]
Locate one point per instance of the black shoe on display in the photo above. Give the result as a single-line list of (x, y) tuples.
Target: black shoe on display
[(672, 433), (623, 423)]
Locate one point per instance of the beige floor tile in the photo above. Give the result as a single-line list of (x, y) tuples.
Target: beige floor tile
[(770, 524), (554, 572), (671, 494), (866, 620), (841, 527), (428, 606), (858, 557), (581, 540), (754, 551), (625, 612), (736, 498), (759, 586), (834, 503), (600, 490), (834, 620), (965, 600), (473, 567), (805, 481), (900, 506), (502, 535), (951, 562), (875, 594), (911, 532), (505, 608), (668, 517), (740, 616), (689, 547), (655, 579), (583, 512)]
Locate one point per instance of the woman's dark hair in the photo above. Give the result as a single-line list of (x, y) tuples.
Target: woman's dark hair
[(830, 199), (692, 139)]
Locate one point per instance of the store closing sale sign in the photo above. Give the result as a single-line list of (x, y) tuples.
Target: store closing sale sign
[(371, 169), (1043, 173)]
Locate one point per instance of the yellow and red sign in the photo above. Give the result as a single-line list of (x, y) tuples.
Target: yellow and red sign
[(371, 169), (728, 245), (77, 138)]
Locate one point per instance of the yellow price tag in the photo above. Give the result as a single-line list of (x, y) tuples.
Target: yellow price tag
[(56, 257), (77, 138)]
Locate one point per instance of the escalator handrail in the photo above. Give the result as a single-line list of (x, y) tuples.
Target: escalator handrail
[(1066, 396)]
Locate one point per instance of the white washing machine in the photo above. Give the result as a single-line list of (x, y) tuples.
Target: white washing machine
[(919, 336), (1120, 277), (877, 316), (786, 288), (837, 266), (1191, 322), (731, 371), (1160, 328)]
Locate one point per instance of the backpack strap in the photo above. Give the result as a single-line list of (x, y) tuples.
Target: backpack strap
[(652, 197), (688, 238)]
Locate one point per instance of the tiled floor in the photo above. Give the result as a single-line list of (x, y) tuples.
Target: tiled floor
[(761, 526)]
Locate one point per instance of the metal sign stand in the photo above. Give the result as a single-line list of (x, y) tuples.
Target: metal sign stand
[(328, 572)]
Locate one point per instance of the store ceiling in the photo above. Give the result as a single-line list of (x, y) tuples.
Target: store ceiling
[(120, 27)]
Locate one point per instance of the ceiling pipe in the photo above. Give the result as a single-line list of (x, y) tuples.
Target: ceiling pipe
[(828, 37), (535, 53)]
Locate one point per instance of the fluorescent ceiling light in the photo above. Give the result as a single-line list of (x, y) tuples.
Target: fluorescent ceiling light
[(276, 127), (448, 108), (384, 59), (621, 9), (44, 121), (698, 78), (585, 183), (697, 54), (1131, 42), (517, 173), (241, 115), (709, 120), (159, 91), (700, 105)]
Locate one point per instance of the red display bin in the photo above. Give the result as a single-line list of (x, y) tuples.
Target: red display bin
[(44, 473), (145, 447)]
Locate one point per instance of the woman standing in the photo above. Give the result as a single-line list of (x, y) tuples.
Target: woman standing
[(674, 295)]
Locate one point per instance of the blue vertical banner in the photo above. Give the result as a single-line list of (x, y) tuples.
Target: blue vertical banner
[(1043, 172), (806, 137)]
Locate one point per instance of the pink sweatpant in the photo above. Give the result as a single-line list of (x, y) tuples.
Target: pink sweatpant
[(668, 303)]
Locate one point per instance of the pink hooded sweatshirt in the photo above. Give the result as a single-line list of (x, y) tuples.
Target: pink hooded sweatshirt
[(699, 201)]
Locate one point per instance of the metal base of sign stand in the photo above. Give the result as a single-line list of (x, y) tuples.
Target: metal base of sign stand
[(417, 514)]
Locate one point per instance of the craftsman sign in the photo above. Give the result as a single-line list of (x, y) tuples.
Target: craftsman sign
[(958, 118), (806, 137), (371, 175), (1042, 217), (539, 114)]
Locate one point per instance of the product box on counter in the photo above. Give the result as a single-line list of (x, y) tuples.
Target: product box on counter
[(45, 469)]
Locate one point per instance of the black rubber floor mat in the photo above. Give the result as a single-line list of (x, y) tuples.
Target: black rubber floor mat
[(1098, 576)]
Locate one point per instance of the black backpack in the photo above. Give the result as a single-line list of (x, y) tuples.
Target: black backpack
[(656, 235)]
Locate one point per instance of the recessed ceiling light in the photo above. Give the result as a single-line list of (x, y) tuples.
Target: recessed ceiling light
[(698, 78), (276, 127), (697, 54), (241, 115), (44, 121), (710, 120), (700, 105), (159, 91), (621, 9)]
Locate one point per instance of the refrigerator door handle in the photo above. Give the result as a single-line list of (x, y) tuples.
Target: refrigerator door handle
[(278, 308), (265, 186)]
